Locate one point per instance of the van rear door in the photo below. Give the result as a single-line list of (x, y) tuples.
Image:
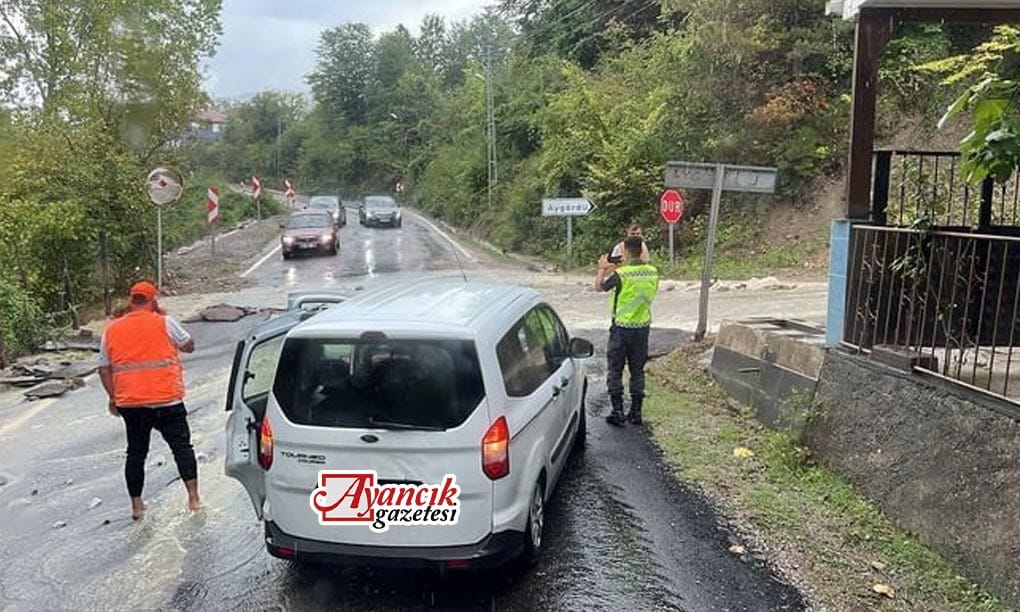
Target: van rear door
[(251, 376), (413, 411)]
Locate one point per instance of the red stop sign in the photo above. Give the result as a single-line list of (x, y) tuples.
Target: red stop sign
[(671, 206)]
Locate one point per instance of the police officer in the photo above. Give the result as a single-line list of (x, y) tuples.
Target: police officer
[(633, 286), (140, 369)]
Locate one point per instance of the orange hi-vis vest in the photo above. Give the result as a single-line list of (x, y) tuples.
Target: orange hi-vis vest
[(145, 364)]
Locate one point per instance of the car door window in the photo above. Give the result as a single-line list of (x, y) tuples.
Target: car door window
[(555, 337), (523, 355), (260, 372)]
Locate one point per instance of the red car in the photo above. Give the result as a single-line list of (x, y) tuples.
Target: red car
[(309, 231)]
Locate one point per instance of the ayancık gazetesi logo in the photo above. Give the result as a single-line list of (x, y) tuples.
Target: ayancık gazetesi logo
[(354, 497)]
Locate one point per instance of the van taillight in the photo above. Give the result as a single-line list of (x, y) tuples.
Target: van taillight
[(496, 450), (266, 444)]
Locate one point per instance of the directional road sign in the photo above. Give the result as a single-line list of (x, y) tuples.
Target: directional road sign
[(566, 207)]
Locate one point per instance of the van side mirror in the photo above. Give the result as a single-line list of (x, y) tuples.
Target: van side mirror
[(581, 348)]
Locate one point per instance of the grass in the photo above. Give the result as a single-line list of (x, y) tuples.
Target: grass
[(813, 520), (742, 263)]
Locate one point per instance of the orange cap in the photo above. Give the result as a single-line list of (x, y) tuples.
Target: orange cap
[(144, 289)]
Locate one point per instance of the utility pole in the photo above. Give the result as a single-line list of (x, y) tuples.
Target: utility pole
[(491, 111), (279, 130)]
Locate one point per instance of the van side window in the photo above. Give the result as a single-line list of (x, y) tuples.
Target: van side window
[(523, 355), (556, 338)]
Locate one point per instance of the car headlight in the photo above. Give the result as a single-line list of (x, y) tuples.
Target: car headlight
[(336, 215), (327, 237), (288, 239)]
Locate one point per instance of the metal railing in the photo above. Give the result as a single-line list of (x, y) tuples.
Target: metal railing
[(951, 297), (912, 186)]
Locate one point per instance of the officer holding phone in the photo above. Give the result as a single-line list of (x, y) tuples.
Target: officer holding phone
[(633, 286)]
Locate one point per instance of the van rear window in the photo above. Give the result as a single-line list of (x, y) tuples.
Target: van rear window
[(389, 384)]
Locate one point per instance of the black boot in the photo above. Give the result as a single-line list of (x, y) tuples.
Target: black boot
[(616, 416), (635, 410)]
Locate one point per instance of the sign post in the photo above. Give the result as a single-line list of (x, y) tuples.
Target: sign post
[(569, 208), (671, 207), (212, 211), (256, 188), (718, 178), (289, 194), (164, 186)]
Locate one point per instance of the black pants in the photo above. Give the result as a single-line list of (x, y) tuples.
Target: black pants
[(627, 346), (172, 423)]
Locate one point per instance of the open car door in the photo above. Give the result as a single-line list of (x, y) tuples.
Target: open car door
[(251, 382)]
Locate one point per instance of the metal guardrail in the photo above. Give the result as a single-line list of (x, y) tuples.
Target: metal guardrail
[(910, 186), (951, 297)]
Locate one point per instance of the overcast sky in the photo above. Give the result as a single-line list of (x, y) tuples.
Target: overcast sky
[(270, 44)]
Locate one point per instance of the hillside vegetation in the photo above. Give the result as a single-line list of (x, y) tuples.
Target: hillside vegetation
[(592, 98)]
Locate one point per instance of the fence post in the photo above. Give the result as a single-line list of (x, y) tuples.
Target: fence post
[(4, 359), (105, 256), (880, 194), (987, 193)]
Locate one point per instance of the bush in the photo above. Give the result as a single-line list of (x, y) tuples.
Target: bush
[(21, 318)]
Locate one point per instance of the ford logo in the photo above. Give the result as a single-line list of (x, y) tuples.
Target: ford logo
[(369, 438)]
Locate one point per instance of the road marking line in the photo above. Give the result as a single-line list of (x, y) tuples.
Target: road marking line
[(25, 416), (261, 261), (444, 235)]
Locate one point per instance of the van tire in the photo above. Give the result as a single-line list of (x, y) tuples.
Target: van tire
[(534, 530)]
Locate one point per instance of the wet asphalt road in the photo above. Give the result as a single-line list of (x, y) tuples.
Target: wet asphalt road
[(621, 534)]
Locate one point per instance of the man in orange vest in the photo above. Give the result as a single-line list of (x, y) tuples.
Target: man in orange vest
[(141, 371)]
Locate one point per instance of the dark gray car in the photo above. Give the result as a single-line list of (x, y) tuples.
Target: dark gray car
[(329, 204), (379, 210)]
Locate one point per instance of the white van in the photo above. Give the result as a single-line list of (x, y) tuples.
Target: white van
[(412, 383)]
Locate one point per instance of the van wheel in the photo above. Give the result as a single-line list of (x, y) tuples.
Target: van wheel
[(534, 531)]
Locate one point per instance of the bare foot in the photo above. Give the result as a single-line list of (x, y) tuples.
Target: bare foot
[(137, 509), (194, 503)]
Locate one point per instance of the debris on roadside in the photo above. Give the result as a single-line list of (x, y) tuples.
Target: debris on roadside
[(60, 524), (54, 388), (221, 313), (95, 503), (66, 368)]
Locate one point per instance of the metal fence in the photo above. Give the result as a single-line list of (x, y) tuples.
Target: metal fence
[(952, 297), (913, 186)]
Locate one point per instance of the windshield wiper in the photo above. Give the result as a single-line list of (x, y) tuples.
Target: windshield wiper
[(406, 426)]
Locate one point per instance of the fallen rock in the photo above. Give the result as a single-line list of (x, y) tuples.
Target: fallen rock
[(223, 313), (75, 370), (95, 503), (60, 524), (54, 388), (21, 381)]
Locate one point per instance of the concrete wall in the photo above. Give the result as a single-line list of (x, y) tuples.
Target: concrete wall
[(771, 366), (943, 462)]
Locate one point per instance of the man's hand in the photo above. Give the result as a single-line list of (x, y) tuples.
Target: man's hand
[(112, 408), (605, 267)]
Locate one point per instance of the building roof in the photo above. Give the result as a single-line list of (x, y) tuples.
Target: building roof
[(443, 305), (849, 9), (212, 116)]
